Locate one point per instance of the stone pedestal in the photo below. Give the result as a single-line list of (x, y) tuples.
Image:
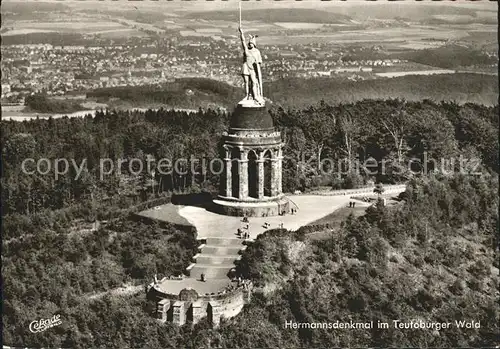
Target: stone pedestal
[(198, 311), (162, 308), (179, 313), (214, 313)]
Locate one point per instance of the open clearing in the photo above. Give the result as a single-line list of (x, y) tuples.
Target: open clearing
[(382, 35), (294, 25), (21, 116), (64, 26), (26, 31)]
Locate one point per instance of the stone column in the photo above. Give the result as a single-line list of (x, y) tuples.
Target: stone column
[(228, 192), (243, 174), (260, 177), (274, 175), (280, 171)]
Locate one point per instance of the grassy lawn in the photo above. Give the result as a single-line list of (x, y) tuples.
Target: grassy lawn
[(340, 215), (166, 213), (335, 219)]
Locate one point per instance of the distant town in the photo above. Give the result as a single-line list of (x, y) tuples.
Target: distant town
[(59, 70)]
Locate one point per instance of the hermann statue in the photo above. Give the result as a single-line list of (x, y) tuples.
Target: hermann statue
[(251, 71)]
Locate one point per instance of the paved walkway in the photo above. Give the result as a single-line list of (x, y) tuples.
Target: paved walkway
[(210, 286), (223, 246), (311, 208)]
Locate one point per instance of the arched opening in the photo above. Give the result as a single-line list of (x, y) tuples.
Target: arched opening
[(267, 173), (252, 175), (235, 174)]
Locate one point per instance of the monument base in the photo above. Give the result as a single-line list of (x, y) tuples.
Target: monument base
[(252, 103), (267, 208)]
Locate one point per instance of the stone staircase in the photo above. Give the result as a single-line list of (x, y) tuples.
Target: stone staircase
[(221, 250), (211, 259), (216, 258)]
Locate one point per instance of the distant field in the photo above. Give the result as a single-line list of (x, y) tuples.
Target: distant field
[(26, 27), (107, 29), (415, 72), (170, 26), (454, 18), (273, 15), (404, 36), (295, 25), (194, 33), (422, 45), (418, 32), (119, 33), (21, 116), (26, 31), (209, 30)]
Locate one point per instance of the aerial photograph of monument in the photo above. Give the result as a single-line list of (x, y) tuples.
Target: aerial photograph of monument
[(250, 174)]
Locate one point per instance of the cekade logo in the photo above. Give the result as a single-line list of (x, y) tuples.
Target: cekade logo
[(44, 324)]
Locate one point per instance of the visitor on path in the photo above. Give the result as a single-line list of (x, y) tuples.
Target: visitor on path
[(353, 204), (202, 277)]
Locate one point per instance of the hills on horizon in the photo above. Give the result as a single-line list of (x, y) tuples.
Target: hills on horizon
[(425, 13), (270, 12), (273, 15)]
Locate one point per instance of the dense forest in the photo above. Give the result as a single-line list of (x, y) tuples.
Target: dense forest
[(189, 93), (451, 56), (56, 39), (389, 264), (57, 260), (192, 93), (392, 132), (42, 104), (73, 272), (461, 88), (434, 257)]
